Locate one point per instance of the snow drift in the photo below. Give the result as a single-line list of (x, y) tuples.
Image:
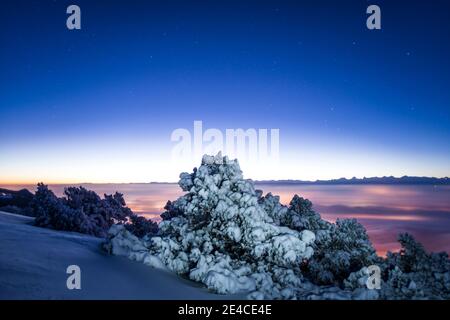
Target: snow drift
[(33, 263)]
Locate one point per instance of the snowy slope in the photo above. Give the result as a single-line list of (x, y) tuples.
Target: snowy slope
[(33, 264)]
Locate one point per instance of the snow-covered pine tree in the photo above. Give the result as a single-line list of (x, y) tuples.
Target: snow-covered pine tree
[(412, 273), (226, 235), (219, 234), (50, 211), (339, 249), (83, 211)]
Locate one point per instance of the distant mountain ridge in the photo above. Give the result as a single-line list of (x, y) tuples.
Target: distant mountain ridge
[(372, 180), (5, 193)]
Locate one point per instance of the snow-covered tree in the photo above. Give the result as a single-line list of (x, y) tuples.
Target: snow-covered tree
[(172, 210), (83, 211), (339, 249), (141, 226), (50, 212), (412, 273), (219, 234), (228, 236)]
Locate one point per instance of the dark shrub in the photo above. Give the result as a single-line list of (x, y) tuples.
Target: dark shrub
[(81, 210)]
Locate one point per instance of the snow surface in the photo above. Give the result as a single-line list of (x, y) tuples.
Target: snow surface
[(33, 264)]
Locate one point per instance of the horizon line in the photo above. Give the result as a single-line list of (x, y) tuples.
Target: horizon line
[(256, 181)]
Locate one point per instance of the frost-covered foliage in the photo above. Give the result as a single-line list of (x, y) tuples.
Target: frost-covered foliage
[(342, 249), (413, 273), (17, 202), (357, 284), (339, 249), (141, 226), (83, 211), (226, 235), (172, 210), (50, 212), (219, 234), (298, 216)]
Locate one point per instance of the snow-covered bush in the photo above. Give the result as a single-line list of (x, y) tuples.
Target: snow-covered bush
[(141, 226), (413, 273), (172, 210), (17, 202), (339, 249), (83, 211), (100, 214), (342, 249), (357, 284), (50, 211), (225, 234), (219, 234), (299, 215), (302, 216)]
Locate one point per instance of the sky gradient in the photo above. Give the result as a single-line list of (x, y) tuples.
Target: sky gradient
[(99, 104)]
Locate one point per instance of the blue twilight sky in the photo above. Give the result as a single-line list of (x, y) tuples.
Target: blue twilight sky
[(99, 104)]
